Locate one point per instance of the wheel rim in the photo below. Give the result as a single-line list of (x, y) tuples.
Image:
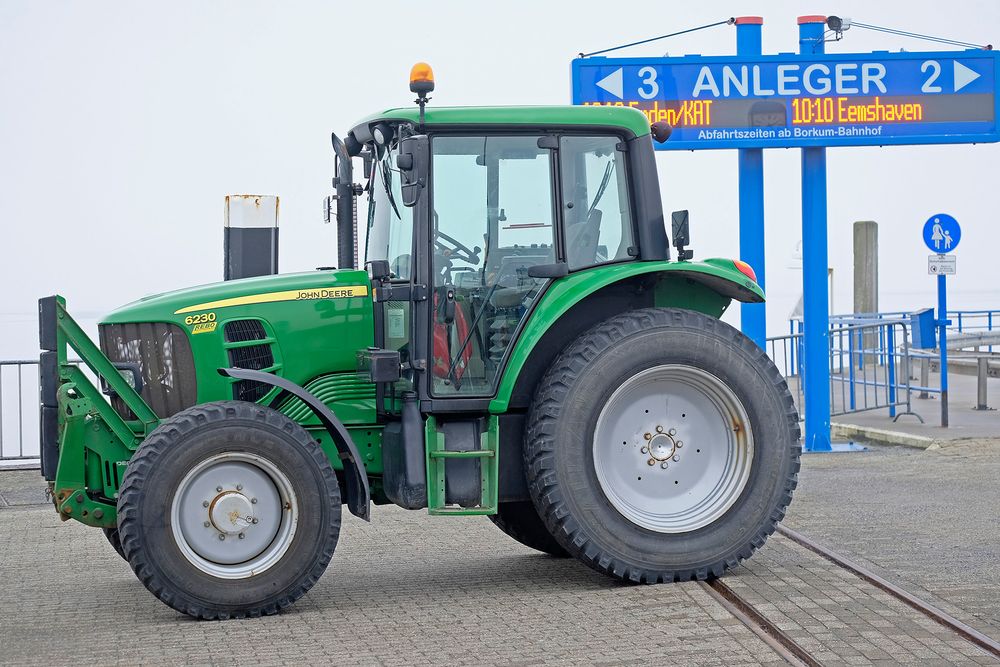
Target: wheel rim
[(234, 515), (673, 448)]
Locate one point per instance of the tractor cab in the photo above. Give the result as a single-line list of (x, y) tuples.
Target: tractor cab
[(476, 211)]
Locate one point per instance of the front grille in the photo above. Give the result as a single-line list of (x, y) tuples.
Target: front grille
[(163, 354), (253, 357), (239, 331), (250, 390)]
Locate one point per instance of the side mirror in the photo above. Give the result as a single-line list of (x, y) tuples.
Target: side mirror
[(413, 162), (557, 270), (378, 269), (679, 222), (661, 131)]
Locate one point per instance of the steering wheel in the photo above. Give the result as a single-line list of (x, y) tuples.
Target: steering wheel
[(457, 250)]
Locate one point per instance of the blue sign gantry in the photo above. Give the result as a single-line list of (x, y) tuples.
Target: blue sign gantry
[(791, 100), (942, 233)]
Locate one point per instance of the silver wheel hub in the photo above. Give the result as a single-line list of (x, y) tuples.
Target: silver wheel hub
[(673, 448), (234, 515), (231, 512)]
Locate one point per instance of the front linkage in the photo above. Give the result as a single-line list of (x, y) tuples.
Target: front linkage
[(85, 443)]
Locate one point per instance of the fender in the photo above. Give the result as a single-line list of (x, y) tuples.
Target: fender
[(358, 493), (719, 275)]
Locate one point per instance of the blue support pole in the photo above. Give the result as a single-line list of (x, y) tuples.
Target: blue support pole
[(753, 316), (815, 293), (943, 323)]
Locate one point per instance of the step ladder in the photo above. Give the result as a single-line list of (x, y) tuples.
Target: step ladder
[(489, 468)]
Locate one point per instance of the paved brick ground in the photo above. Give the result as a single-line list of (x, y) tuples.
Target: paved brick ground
[(928, 520), (407, 589), (839, 618), (411, 589)]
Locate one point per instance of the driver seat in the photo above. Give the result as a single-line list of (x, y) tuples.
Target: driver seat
[(582, 238)]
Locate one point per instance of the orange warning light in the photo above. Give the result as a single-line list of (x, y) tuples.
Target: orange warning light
[(421, 79)]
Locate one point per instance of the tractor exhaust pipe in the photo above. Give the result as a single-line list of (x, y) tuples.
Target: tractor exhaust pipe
[(347, 217)]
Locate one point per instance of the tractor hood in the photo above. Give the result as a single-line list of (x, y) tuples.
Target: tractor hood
[(317, 286)]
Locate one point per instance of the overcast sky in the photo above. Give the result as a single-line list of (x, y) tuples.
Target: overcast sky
[(124, 124)]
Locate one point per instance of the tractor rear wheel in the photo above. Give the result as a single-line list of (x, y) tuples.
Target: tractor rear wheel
[(662, 446), (114, 540), (229, 510), (520, 521)]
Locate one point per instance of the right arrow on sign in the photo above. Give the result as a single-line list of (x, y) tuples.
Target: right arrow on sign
[(963, 76), (613, 83)]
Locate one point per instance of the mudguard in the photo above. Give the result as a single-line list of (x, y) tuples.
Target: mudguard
[(358, 493)]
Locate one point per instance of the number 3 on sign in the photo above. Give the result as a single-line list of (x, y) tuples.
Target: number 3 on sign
[(648, 75)]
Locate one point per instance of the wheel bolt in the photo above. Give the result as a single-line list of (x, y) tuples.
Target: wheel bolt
[(208, 524), (672, 431), (242, 536), (253, 500), (221, 536), (219, 489), (204, 503), (239, 487), (676, 458), (651, 462), (679, 444), (664, 465), (648, 436), (645, 450), (255, 520)]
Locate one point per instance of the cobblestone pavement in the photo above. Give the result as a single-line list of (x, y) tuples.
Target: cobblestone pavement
[(927, 520), (413, 589)]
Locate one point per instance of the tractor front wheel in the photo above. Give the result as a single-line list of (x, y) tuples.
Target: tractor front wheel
[(229, 510), (662, 445)]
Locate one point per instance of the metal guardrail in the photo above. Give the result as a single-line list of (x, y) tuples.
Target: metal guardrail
[(869, 366), (12, 415), (19, 437)]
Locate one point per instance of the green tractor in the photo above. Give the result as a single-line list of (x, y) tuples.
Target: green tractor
[(520, 345)]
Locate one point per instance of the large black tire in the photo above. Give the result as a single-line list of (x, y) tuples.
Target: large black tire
[(560, 459), (520, 521), (189, 442), (115, 541)]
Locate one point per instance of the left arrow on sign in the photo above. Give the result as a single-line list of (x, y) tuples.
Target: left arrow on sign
[(964, 76), (613, 83)]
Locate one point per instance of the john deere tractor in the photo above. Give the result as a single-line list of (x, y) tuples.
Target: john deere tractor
[(519, 344)]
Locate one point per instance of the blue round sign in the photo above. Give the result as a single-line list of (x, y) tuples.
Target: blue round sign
[(942, 233)]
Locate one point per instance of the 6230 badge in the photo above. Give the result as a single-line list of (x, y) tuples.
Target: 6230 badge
[(201, 323)]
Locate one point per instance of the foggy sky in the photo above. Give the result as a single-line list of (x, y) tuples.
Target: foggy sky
[(123, 125)]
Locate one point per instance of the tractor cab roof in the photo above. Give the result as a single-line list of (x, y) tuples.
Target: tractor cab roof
[(624, 118)]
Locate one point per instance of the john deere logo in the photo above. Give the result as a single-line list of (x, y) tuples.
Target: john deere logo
[(288, 295)]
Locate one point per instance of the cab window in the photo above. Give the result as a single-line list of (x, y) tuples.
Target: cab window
[(596, 214)]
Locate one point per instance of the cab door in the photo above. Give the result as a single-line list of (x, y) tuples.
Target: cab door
[(491, 217)]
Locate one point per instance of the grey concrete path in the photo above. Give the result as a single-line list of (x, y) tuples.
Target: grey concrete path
[(413, 589)]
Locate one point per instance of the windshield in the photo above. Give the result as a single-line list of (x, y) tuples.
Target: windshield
[(390, 224)]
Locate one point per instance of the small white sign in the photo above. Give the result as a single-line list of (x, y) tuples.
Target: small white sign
[(941, 265), (396, 323)]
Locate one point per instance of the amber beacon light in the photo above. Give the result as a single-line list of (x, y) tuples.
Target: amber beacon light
[(421, 79)]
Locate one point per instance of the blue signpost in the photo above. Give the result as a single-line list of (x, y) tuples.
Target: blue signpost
[(751, 175), (942, 234), (810, 100)]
